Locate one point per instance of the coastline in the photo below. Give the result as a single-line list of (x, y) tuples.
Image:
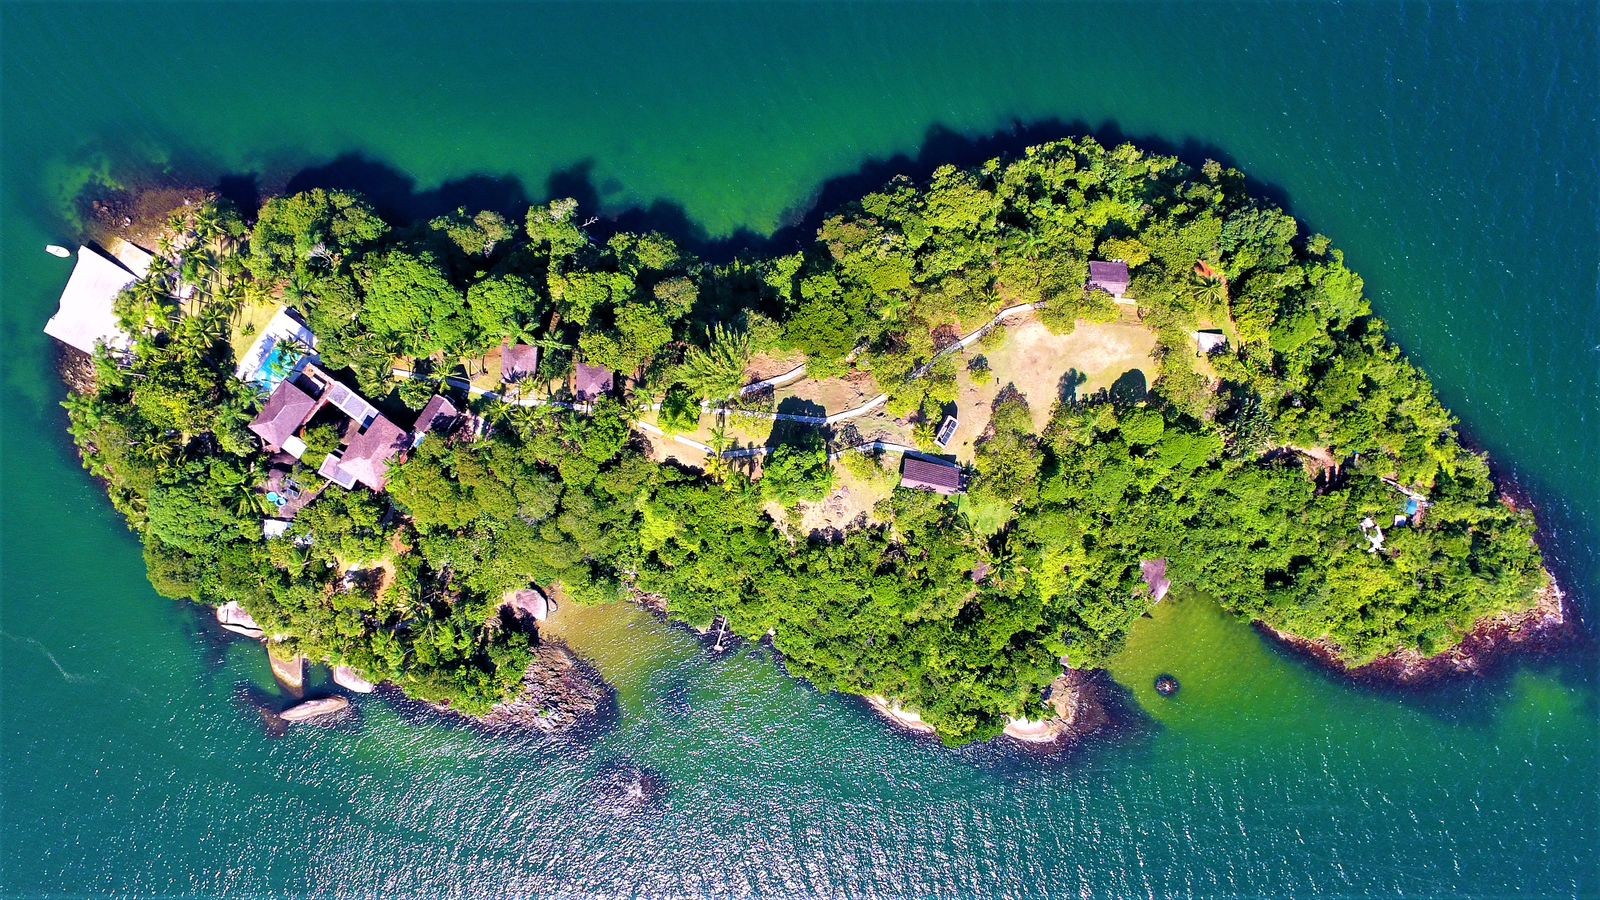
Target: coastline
[(1076, 697), (1546, 626)]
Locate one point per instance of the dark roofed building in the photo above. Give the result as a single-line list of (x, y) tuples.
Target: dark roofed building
[(1111, 277), (286, 411), (438, 417), (518, 361), (366, 455), (591, 382), (930, 475)]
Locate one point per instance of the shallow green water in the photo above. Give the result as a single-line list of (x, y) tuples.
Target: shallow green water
[(1449, 149)]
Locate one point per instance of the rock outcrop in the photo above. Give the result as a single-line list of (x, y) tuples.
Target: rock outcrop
[(559, 692), (232, 616), (351, 680), (314, 709), (1548, 624)]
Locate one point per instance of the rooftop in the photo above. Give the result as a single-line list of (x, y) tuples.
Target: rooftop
[(930, 475), (366, 455), (518, 361), (591, 382), (438, 417), (1111, 277), (87, 316), (286, 412)]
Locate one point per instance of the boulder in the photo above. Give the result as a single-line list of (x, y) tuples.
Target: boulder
[(232, 616), (312, 709), (351, 680)]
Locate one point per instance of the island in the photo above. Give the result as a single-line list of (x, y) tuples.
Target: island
[(944, 455)]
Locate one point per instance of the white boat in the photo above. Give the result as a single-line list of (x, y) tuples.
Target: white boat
[(58, 250)]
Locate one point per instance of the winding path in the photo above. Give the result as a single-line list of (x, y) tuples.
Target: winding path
[(775, 381)]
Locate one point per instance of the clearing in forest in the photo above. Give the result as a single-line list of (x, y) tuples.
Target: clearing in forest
[(1047, 367)]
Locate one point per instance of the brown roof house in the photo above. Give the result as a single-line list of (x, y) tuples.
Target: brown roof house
[(287, 411), (930, 475), (439, 417), (590, 383), (1111, 277), (366, 454), (517, 362)]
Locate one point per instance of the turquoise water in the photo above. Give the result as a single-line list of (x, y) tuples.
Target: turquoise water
[(1451, 150)]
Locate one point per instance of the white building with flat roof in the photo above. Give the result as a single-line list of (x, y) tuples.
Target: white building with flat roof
[(87, 316)]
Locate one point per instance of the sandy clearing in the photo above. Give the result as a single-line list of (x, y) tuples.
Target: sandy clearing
[(1036, 361)]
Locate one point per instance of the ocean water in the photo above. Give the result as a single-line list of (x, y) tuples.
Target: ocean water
[(1450, 149)]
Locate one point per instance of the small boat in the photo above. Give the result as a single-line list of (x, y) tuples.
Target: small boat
[(58, 250)]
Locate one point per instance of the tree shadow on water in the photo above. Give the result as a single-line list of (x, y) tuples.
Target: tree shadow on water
[(395, 194)]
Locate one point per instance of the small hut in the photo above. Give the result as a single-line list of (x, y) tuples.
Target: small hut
[(1209, 341), (923, 474), (1110, 277)]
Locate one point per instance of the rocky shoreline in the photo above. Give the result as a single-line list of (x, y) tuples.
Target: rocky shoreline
[(1546, 626), (560, 692), (1078, 698)]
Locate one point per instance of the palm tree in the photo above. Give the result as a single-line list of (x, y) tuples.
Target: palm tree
[(246, 502), (297, 290), (207, 221), (719, 442), (892, 307), (717, 372), (572, 427), (1212, 291), (499, 413), (213, 322)]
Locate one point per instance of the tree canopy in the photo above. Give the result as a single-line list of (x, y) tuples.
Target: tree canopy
[(961, 610)]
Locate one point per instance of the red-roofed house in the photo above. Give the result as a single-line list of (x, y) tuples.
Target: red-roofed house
[(366, 454), (1111, 277), (591, 382), (930, 475), (287, 411)]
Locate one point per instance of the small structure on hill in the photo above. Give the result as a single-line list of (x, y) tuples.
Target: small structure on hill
[(1373, 533), (1110, 277), (1209, 341), (87, 316), (518, 362), (947, 431), (924, 474), (439, 417), (590, 383)]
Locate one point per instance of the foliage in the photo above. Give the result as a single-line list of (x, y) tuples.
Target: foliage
[(1201, 472)]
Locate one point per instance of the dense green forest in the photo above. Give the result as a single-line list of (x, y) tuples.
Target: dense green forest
[(1207, 471)]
